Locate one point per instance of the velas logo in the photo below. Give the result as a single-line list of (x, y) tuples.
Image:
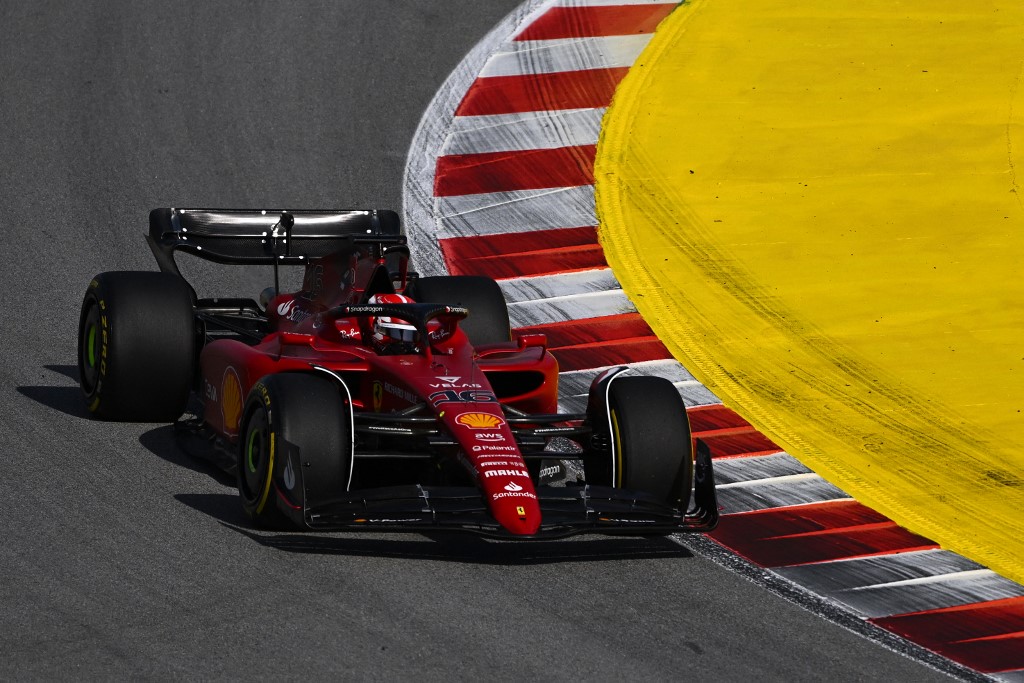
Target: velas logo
[(512, 486), (479, 420)]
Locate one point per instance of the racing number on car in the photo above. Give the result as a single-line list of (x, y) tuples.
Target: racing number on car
[(469, 396)]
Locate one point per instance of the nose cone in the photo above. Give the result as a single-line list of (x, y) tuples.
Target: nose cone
[(519, 515)]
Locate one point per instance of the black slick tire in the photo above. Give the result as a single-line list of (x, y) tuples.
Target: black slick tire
[(295, 448), (487, 322), (137, 346), (650, 434)]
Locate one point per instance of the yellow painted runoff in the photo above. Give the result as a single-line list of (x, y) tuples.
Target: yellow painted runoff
[(817, 206)]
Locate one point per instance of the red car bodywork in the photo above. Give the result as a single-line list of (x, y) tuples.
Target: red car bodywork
[(479, 419), (453, 378)]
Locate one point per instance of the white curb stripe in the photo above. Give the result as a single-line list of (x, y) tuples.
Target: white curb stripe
[(523, 131), (543, 287), (517, 211), (519, 58)]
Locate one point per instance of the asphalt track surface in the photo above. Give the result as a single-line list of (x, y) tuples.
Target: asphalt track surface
[(124, 558)]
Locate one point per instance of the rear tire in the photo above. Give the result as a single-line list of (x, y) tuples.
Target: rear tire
[(650, 433), (136, 346), (487, 322), (295, 447)]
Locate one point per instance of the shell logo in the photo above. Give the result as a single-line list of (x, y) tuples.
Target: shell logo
[(479, 420), (231, 400)]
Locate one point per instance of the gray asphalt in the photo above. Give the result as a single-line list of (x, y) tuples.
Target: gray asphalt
[(123, 558)]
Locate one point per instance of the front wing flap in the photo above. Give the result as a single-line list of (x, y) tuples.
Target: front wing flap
[(565, 510)]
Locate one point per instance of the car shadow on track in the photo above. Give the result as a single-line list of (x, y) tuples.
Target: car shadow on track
[(446, 547), (65, 399), (163, 443)]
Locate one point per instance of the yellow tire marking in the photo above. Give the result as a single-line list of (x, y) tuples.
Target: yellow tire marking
[(617, 435), (270, 475)]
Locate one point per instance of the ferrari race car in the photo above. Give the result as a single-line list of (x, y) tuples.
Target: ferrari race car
[(376, 399)]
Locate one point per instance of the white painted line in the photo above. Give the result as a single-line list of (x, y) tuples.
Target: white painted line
[(772, 493), (921, 580), (500, 213), (758, 467), (900, 583), (779, 479), (599, 3), (576, 307), (543, 287), (530, 57), (523, 131), (825, 577), (578, 381)]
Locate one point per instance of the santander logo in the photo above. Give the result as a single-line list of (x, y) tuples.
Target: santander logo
[(512, 486), (285, 308)]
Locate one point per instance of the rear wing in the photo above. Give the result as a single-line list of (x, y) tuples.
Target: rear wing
[(268, 237)]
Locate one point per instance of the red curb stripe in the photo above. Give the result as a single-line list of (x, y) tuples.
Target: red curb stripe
[(533, 263), (570, 332), (987, 636), (457, 249), (819, 532), (541, 252), (541, 92), (602, 353), (727, 434), (714, 417), (749, 442), (535, 169), (590, 22), (600, 342)]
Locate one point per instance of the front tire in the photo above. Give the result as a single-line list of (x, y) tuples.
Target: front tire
[(136, 346), (650, 441), (295, 448)]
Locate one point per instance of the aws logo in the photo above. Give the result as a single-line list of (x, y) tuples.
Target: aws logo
[(479, 420)]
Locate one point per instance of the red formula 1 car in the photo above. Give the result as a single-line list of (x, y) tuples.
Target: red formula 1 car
[(376, 399)]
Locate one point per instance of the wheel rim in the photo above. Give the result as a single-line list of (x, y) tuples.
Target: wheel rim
[(89, 361), (256, 460)]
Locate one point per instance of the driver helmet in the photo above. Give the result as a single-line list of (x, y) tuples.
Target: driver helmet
[(388, 331)]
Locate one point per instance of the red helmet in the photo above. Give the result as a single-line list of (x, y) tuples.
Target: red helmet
[(391, 332)]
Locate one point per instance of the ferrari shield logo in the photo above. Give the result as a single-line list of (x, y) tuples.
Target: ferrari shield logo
[(521, 511), (378, 396)]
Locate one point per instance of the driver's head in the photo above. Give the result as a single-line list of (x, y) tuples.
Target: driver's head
[(393, 334)]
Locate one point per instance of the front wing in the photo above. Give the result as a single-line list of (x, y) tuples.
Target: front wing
[(565, 510)]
